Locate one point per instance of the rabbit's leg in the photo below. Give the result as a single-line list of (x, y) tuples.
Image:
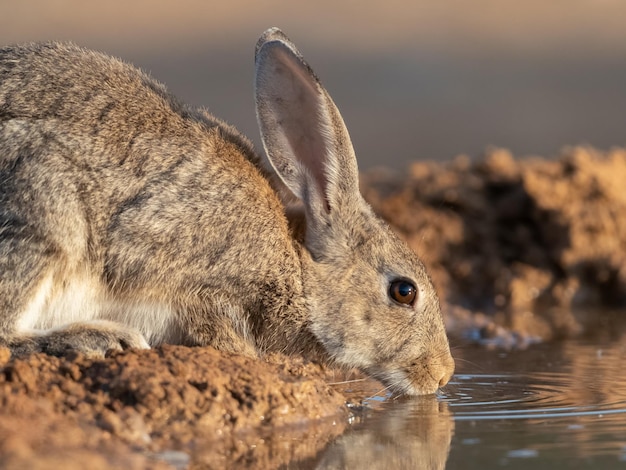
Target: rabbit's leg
[(93, 338), (41, 312), (221, 326)]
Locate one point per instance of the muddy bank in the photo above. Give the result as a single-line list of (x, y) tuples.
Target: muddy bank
[(137, 409), (520, 249)]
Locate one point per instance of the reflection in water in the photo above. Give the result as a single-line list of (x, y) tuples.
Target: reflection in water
[(407, 434), (552, 406)]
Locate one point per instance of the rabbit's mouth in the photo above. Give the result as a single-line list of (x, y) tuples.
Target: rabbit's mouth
[(399, 381), (421, 377)]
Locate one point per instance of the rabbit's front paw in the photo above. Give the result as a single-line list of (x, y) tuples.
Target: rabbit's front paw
[(94, 339)]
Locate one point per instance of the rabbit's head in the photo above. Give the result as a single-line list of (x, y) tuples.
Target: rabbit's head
[(371, 302)]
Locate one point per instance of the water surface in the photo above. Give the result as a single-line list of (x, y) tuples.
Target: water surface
[(547, 407)]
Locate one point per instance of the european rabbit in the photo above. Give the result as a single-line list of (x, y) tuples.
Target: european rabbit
[(129, 219)]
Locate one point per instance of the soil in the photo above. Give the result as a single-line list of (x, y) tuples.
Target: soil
[(162, 408), (520, 250)]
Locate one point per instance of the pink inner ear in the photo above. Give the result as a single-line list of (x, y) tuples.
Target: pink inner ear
[(303, 119), (312, 154)]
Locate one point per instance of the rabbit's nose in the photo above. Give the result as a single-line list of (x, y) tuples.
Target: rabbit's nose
[(445, 379), (447, 371)]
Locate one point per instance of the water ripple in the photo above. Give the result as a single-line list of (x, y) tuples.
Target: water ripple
[(527, 396)]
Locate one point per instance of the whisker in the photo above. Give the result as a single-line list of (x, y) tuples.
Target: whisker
[(346, 382), (466, 361), (474, 365), (384, 389)]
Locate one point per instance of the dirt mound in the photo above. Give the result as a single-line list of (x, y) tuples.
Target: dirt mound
[(536, 246), (127, 410)]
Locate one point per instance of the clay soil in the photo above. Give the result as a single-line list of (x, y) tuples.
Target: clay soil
[(520, 250), (170, 407)]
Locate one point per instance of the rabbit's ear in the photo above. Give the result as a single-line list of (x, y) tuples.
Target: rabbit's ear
[(303, 133)]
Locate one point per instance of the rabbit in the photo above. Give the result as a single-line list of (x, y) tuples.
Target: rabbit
[(130, 220)]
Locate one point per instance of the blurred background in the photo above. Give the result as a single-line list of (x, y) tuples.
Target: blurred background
[(421, 79)]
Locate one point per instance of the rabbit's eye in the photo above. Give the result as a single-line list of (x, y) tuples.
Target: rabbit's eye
[(403, 292)]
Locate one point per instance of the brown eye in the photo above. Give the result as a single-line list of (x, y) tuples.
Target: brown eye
[(403, 292)]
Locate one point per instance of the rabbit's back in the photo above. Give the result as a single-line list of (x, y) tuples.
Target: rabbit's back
[(90, 89), (120, 109)]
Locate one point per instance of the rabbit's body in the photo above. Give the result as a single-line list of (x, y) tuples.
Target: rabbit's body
[(128, 219), (116, 192)]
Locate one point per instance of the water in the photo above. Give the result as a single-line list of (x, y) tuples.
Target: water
[(551, 406)]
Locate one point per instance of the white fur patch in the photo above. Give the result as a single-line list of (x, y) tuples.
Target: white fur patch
[(31, 315), (84, 299)]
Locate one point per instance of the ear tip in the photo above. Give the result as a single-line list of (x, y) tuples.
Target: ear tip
[(272, 35), (269, 47)]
